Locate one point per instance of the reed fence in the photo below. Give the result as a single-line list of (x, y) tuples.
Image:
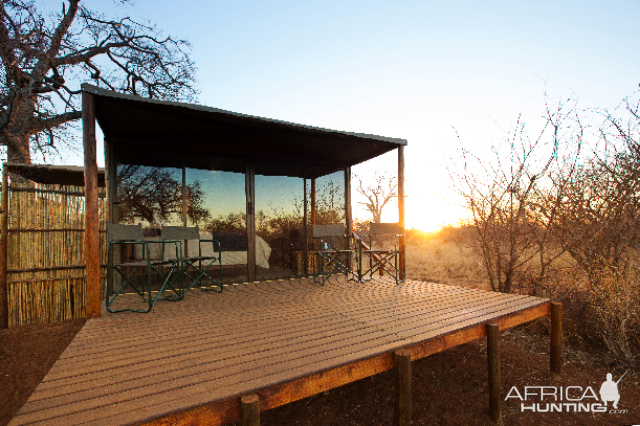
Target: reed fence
[(45, 254)]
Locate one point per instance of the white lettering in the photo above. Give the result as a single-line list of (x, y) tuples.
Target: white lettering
[(593, 394), (552, 392), (583, 407), (567, 393), (598, 408), (556, 407), (546, 406), (523, 408), (527, 394), (570, 405), (513, 388)]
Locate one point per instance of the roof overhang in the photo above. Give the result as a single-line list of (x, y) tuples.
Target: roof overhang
[(152, 132), (60, 175)]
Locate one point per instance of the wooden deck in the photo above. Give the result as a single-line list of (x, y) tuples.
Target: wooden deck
[(189, 362)]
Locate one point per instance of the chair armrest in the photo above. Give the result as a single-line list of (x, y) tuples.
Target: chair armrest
[(213, 244)]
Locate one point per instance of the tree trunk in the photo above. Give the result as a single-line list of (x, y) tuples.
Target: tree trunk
[(17, 152)]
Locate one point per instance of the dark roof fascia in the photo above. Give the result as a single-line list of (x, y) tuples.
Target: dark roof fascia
[(49, 174), (269, 121)]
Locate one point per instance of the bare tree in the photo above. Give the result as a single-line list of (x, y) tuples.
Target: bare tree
[(154, 194), (511, 202), (378, 193), (598, 226), (42, 55)]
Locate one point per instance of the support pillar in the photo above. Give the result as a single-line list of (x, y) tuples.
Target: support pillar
[(556, 340), (313, 218), (250, 405), (4, 242), (91, 224), (305, 232), (403, 404), (493, 358), (184, 205), (347, 213), (313, 201), (250, 192), (401, 210)]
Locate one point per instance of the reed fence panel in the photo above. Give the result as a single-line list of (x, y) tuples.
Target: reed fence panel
[(45, 256)]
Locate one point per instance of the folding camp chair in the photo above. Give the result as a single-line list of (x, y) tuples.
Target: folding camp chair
[(122, 274), (384, 258), (330, 250), (196, 267)]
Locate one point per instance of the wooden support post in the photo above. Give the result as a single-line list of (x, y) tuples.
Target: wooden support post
[(305, 232), (250, 192), (402, 367), (493, 358), (92, 235), (402, 247), (313, 201), (250, 410), (347, 212), (111, 179), (556, 340), (185, 246), (4, 242)]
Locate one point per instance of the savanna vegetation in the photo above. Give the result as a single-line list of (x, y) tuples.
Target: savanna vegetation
[(553, 216)]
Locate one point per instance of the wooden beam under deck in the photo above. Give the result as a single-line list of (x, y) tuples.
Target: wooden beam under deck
[(297, 339)]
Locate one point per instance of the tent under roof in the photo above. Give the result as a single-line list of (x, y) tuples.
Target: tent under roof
[(152, 132)]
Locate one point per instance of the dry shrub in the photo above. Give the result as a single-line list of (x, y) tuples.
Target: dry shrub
[(602, 316)]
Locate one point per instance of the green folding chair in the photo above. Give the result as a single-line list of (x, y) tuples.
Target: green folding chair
[(331, 254), (134, 276), (383, 258), (195, 268)]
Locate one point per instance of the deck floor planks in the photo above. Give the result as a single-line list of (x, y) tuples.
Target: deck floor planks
[(140, 341), (140, 366), (273, 332)]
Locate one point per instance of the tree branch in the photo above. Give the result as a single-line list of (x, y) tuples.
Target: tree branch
[(40, 125)]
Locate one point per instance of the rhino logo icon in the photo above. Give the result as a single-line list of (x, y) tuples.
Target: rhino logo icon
[(609, 391)]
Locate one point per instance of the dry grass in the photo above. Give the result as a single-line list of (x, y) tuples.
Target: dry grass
[(603, 318), (437, 258)]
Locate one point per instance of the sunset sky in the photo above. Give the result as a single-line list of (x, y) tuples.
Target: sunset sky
[(413, 70)]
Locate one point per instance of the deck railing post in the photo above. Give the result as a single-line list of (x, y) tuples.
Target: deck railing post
[(250, 410), (403, 404), (493, 358), (556, 340)]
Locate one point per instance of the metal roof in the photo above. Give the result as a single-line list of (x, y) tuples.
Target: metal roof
[(154, 132)]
